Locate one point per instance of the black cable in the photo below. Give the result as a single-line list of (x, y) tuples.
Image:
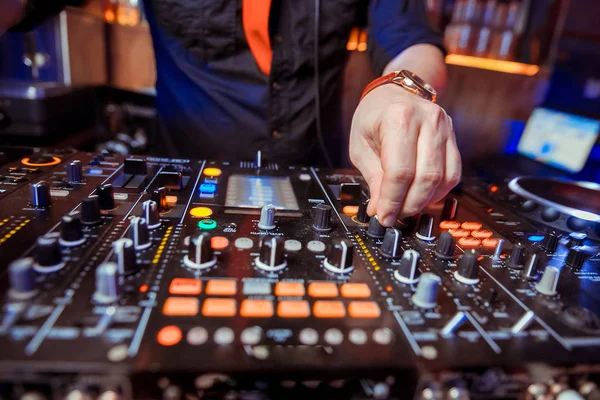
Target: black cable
[(317, 94)]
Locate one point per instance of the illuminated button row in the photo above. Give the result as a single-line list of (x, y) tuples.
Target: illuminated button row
[(228, 287), (256, 308), (470, 234)]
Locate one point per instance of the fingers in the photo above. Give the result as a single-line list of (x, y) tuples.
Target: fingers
[(366, 160), (453, 171)]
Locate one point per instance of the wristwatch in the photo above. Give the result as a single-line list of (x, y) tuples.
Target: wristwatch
[(408, 81)]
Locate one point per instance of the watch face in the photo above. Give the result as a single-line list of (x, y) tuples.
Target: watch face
[(413, 81)]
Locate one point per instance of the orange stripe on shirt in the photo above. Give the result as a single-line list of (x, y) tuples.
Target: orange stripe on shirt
[(255, 19)]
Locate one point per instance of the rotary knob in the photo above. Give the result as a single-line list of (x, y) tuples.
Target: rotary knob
[(576, 239), (517, 257), (427, 291), (107, 283), (271, 256), (468, 268), (138, 232), (267, 218), (392, 244), (322, 222), (40, 194), (48, 256), (339, 256), (530, 270), (425, 228), (160, 197), (547, 285), (125, 256), (550, 242), (106, 197), (408, 271), (576, 257), (200, 253), (74, 172), (90, 211), (444, 248), (361, 214), (375, 229), (450, 209), (71, 234), (150, 213), (21, 275)]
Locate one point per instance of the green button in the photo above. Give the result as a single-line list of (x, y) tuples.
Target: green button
[(207, 224)]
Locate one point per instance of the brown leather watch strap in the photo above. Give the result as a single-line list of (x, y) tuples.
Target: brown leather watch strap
[(409, 81), (382, 80)]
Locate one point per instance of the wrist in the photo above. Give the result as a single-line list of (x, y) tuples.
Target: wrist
[(408, 81)]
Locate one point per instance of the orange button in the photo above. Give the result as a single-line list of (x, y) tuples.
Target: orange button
[(185, 286), (218, 307), (459, 233), (468, 242), (169, 335), (356, 290), (449, 225), (482, 234), (171, 201), (329, 309), (364, 309), (201, 212), (256, 308), (219, 242), (471, 225), (293, 309), (225, 287), (183, 306), (211, 171), (490, 243), (350, 210), (322, 289), (289, 289)]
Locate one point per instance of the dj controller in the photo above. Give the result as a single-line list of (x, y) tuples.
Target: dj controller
[(148, 277)]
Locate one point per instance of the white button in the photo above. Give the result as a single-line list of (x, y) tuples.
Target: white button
[(292, 245), (244, 243), (357, 336), (304, 177), (251, 335), (197, 336), (256, 287), (316, 246), (334, 336), (308, 336), (224, 335), (383, 336)]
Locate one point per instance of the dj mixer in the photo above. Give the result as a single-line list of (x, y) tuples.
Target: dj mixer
[(148, 277)]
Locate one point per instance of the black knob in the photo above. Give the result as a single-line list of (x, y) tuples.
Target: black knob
[(517, 257), (160, 197), (21, 275), (47, 253), (550, 242), (444, 248), (528, 205), (392, 244), (74, 172), (468, 268), (271, 254), (576, 257), (169, 178), (322, 222), (361, 214), (70, 230), (450, 209), (135, 166), (90, 211), (375, 229), (124, 255), (576, 239), (406, 225), (408, 271), (577, 224), (138, 232), (550, 214), (106, 196), (339, 256), (425, 227), (530, 271), (107, 283), (150, 214), (40, 194), (200, 253)]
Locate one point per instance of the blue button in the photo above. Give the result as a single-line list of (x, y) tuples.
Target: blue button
[(208, 188), (535, 238)]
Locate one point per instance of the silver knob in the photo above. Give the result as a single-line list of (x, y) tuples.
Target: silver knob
[(107, 283), (150, 212), (267, 218)]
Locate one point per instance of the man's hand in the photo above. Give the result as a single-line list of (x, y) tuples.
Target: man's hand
[(406, 150)]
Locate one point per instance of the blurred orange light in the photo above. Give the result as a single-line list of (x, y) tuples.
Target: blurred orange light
[(143, 288), (509, 67), (352, 40)]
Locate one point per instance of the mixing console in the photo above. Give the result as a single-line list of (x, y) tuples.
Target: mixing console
[(152, 277)]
